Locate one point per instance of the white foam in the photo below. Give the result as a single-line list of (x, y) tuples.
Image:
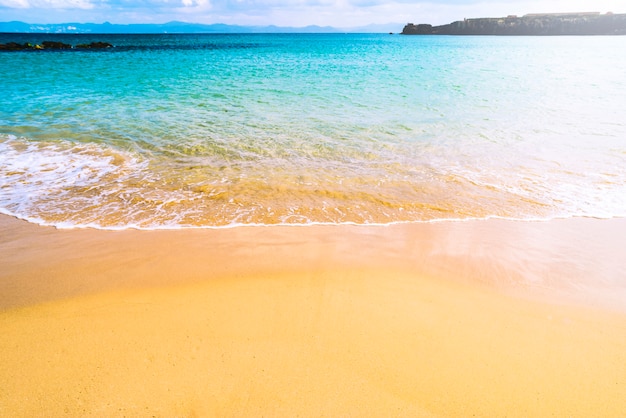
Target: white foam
[(74, 185), (38, 179)]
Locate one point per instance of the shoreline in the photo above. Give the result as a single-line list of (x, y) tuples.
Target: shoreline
[(133, 227), (489, 317)]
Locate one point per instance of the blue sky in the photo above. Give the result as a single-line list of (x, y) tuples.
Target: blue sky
[(298, 13)]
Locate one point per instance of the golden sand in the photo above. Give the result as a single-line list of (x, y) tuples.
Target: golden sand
[(480, 318)]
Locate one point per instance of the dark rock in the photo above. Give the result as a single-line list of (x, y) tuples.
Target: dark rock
[(421, 29), (95, 45), (55, 45), (14, 46)]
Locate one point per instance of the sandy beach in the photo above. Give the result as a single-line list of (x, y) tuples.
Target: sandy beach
[(475, 318)]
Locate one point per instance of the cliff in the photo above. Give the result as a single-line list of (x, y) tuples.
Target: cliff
[(530, 24)]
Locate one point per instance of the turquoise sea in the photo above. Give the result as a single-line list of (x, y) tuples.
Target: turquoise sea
[(170, 131)]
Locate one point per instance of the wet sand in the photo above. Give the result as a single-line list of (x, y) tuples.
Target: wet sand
[(484, 318)]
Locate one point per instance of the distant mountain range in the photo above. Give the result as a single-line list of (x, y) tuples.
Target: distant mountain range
[(183, 27)]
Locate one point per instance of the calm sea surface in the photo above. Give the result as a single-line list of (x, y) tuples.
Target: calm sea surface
[(168, 131)]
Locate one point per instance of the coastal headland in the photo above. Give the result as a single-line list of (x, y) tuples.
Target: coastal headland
[(541, 24), (473, 318)]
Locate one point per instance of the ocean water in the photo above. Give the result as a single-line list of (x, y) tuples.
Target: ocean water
[(170, 131)]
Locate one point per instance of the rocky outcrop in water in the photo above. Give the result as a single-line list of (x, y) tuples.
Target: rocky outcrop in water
[(51, 45), (532, 24), (55, 45), (14, 46), (94, 45)]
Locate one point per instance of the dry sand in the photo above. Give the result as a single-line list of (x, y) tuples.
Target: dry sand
[(478, 318)]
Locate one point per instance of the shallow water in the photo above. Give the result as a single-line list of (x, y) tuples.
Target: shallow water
[(168, 131)]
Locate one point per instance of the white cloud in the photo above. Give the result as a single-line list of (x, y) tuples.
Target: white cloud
[(195, 3), (47, 4), (15, 4)]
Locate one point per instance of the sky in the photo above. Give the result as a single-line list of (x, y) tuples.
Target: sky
[(294, 13)]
